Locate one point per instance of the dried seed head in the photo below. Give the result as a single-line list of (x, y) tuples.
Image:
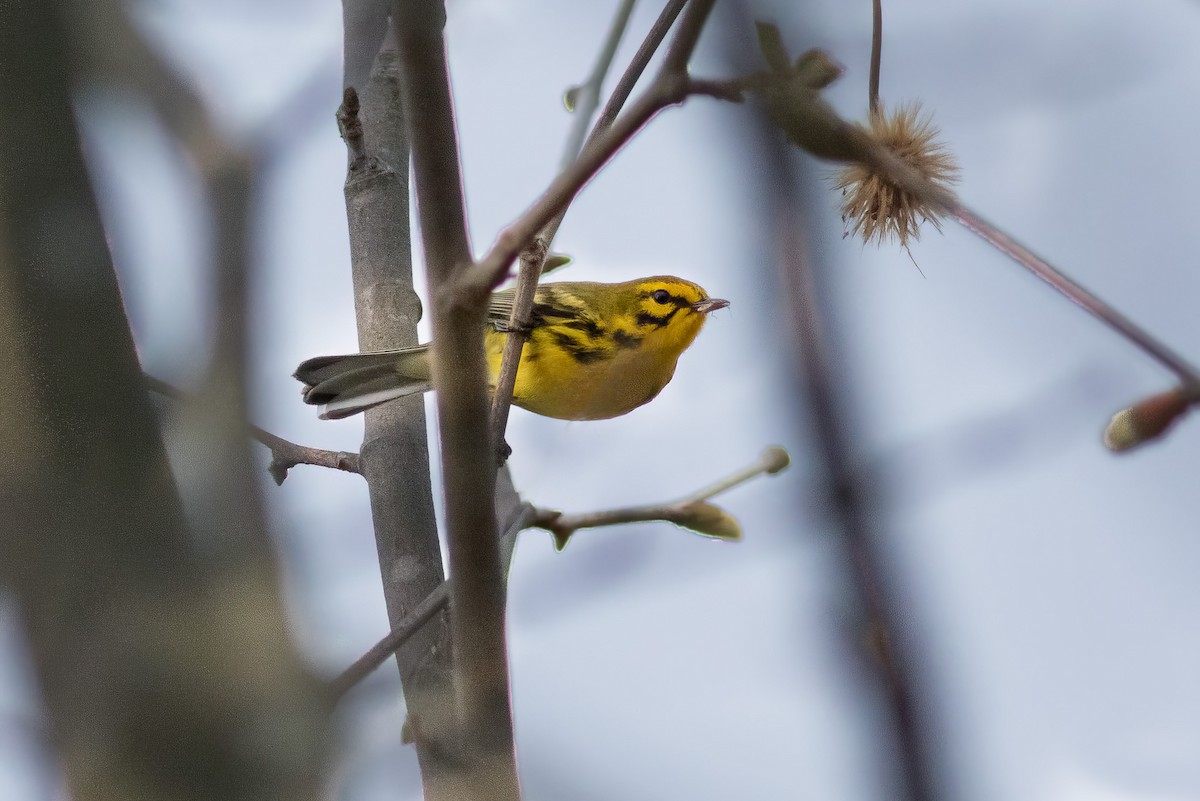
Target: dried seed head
[(876, 209)]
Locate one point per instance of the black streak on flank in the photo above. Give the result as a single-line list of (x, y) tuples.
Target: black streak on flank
[(625, 340), (587, 326), (578, 352), (544, 311)]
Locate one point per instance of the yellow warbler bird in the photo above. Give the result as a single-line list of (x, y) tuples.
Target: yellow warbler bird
[(594, 351)]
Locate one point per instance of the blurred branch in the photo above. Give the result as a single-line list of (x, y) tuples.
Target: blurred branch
[(116, 50), (284, 453), (691, 512), (846, 491), (364, 29), (459, 374), (105, 567)]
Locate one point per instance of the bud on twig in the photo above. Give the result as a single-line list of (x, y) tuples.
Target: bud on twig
[(1145, 420)]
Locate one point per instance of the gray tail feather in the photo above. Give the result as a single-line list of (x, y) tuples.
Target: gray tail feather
[(346, 385)]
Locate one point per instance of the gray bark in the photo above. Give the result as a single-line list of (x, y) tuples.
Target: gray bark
[(395, 456)]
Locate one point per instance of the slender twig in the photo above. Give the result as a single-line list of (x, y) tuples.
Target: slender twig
[(876, 54), (586, 96), (562, 526), (637, 65), (669, 88), (533, 259), (284, 453), (771, 461), (1076, 293), (528, 274), (421, 614)]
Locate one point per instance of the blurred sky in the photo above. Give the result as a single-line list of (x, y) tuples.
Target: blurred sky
[(1052, 584)]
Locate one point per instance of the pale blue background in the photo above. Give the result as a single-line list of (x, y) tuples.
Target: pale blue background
[(1053, 585)]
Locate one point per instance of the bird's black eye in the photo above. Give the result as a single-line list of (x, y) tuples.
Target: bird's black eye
[(661, 296)]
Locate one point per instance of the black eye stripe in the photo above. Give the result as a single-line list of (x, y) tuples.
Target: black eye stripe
[(677, 300)]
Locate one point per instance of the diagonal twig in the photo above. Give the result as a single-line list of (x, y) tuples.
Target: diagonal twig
[(686, 511), (669, 88), (284, 453), (533, 257), (421, 614)]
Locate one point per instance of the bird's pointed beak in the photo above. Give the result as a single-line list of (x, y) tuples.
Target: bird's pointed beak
[(709, 305)]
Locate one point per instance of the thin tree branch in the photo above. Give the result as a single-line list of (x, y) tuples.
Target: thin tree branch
[(585, 97), (284, 453), (459, 374), (680, 512), (669, 88), (876, 54), (637, 65), (533, 259), (421, 614), (1080, 296)]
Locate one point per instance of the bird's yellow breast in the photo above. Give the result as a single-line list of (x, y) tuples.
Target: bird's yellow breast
[(554, 383), (593, 357)]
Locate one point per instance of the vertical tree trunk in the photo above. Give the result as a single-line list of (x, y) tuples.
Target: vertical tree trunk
[(395, 456)]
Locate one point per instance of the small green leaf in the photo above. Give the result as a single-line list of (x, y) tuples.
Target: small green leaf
[(707, 520), (816, 69), (554, 261), (561, 538), (770, 42), (570, 97), (813, 125)]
